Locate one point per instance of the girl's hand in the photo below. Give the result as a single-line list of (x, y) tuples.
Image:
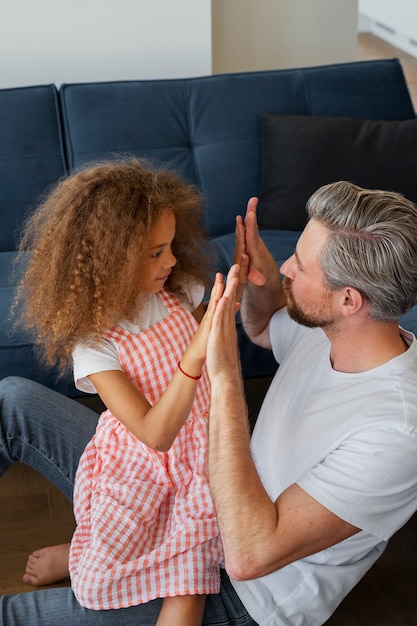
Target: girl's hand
[(222, 352), (194, 357)]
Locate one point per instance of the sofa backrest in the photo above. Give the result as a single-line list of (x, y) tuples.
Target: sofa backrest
[(31, 159), (31, 153), (208, 128)]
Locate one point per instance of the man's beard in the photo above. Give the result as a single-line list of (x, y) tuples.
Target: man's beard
[(305, 319)]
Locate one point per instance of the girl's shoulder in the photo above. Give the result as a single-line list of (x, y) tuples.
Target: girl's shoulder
[(194, 294)]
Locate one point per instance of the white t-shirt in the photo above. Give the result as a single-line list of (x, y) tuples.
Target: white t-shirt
[(104, 356), (350, 441)]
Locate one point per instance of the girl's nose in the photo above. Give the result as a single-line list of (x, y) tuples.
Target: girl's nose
[(170, 261)]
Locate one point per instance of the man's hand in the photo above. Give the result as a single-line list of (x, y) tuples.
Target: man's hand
[(262, 266), (250, 251)]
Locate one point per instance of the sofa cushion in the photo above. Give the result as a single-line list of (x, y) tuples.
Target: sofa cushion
[(17, 357), (32, 159), (409, 320), (301, 153), (31, 153)]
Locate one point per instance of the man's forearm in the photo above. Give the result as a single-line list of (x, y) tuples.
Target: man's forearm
[(229, 454), (245, 512), (239, 496)]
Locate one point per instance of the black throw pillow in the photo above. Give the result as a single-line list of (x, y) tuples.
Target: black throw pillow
[(302, 153)]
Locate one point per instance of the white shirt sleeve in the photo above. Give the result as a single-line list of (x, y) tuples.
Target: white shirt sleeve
[(89, 360)]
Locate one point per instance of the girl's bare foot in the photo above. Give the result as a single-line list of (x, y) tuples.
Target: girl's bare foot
[(47, 566)]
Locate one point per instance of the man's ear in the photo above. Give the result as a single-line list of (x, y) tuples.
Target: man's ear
[(352, 301)]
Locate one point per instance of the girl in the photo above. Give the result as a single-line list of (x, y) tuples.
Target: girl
[(114, 286)]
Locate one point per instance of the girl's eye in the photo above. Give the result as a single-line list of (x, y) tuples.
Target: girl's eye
[(155, 255)]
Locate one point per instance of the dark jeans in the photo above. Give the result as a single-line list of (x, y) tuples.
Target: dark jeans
[(49, 432)]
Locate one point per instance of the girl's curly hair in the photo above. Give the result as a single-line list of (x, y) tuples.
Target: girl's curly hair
[(89, 256)]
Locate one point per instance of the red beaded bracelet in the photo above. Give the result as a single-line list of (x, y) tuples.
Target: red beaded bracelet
[(187, 375)]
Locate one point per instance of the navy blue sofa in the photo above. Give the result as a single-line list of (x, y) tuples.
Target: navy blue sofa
[(274, 134)]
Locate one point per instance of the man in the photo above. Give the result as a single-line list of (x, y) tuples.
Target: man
[(308, 506), (332, 470)]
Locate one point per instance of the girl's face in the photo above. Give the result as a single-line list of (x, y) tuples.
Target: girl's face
[(161, 258)]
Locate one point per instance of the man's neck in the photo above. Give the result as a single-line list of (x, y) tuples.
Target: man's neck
[(365, 347)]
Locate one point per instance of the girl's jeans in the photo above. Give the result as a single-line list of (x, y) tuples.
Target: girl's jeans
[(48, 432)]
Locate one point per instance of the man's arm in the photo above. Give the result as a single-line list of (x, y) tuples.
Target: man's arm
[(259, 279), (259, 536)]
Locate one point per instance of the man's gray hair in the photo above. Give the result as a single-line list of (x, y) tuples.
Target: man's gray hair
[(372, 245)]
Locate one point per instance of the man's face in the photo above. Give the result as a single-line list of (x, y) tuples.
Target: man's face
[(309, 301)]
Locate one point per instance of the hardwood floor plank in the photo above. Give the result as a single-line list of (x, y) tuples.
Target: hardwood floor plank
[(33, 514)]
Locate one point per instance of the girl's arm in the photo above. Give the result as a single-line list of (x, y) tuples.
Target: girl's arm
[(158, 425)]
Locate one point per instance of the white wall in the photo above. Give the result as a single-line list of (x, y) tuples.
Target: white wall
[(51, 41), (392, 20), (269, 34)]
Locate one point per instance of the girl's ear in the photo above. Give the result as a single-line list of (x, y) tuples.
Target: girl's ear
[(352, 301)]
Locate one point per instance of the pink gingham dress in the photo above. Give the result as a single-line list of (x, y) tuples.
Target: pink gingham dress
[(146, 525)]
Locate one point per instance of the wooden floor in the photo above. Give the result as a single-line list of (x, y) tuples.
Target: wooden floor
[(34, 514)]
